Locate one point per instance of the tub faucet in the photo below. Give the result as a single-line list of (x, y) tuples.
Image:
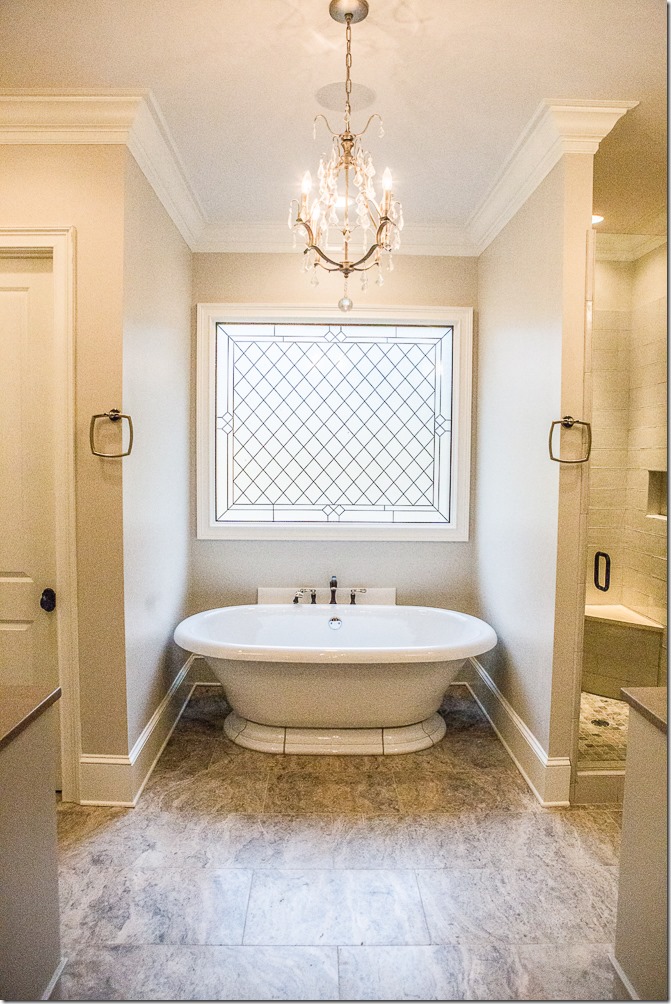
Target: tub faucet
[(333, 585)]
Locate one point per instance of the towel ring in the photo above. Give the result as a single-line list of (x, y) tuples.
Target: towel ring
[(114, 415), (567, 422)]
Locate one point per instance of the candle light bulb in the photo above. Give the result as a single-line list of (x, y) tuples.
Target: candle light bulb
[(386, 180), (306, 185)]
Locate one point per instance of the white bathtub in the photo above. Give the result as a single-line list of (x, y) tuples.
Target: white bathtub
[(370, 682)]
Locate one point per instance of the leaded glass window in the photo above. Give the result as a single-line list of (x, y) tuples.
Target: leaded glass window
[(332, 425)]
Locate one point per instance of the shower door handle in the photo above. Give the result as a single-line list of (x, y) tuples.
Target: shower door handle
[(597, 569), (567, 422)]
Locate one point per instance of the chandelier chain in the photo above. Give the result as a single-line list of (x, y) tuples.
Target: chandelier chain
[(348, 68)]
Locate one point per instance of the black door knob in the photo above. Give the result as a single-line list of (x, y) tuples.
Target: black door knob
[(48, 600)]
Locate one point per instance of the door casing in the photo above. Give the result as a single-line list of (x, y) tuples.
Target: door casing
[(61, 243)]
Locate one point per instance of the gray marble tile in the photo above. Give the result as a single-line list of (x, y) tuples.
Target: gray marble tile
[(564, 973), (182, 906), (588, 833), (459, 791), (500, 838), (462, 712), (331, 907), (464, 751), (161, 972), (245, 840), (519, 906), (211, 794), (486, 972), (296, 792), (427, 973), (76, 823)]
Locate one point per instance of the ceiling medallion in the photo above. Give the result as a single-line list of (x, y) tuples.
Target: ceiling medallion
[(334, 241)]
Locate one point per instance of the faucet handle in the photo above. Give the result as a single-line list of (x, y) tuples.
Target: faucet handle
[(354, 591), (300, 593)]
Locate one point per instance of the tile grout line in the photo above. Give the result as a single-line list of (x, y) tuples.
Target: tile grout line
[(249, 896)]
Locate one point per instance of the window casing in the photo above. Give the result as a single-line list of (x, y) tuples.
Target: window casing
[(317, 427)]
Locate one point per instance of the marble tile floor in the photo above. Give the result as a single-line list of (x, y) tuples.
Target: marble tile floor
[(251, 876)]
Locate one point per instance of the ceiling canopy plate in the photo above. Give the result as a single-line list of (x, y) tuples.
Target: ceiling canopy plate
[(339, 9)]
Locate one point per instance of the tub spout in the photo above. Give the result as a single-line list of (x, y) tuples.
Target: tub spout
[(333, 585)]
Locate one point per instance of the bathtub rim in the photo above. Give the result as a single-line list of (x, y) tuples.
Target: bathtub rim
[(314, 655)]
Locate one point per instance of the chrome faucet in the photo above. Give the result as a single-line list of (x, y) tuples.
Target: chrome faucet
[(333, 585)]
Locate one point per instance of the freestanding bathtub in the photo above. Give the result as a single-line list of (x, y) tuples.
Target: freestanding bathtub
[(334, 679)]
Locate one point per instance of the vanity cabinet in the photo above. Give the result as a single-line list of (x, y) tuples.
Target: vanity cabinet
[(30, 954), (641, 933)]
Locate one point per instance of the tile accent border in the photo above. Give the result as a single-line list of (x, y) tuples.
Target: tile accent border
[(119, 780), (343, 742), (548, 777)]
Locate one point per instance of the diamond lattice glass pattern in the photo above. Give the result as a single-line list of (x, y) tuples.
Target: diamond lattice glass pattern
[(319, 423)]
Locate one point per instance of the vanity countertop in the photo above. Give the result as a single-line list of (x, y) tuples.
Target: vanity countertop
[(651, 702), (20, 705)]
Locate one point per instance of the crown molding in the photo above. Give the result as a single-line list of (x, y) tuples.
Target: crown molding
[(269, 238), (557, 127), (116, 117), (133, 118)]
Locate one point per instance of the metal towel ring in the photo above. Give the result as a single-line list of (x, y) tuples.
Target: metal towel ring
[(567, 422), (114, 415)]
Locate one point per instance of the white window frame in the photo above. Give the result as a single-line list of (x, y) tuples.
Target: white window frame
[(208, 315)]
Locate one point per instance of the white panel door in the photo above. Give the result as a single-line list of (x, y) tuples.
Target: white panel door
[(28, 633)]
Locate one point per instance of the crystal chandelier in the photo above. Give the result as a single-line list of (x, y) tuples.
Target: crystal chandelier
[(346, 210)]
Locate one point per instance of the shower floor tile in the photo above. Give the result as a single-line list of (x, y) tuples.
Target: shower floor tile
[(252, 876), (603, 730)]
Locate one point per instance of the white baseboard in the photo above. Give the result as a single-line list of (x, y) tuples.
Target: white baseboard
[(624, 979), (548, 777), (119, 780), (51, 985)]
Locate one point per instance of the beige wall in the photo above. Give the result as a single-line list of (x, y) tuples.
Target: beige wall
[(133, 287), (530, 358), (156, 505), (225, 572), (83, 186)]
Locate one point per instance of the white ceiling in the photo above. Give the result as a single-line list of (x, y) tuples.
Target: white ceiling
[(455, 80)]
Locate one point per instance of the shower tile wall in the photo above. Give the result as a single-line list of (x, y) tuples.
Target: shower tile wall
[(610, 421), (629, 422), (644, 576)]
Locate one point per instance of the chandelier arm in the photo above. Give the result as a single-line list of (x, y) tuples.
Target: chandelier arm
[(326, 123), (375, 115)]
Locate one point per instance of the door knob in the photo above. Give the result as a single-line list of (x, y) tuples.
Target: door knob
[(48, 600)]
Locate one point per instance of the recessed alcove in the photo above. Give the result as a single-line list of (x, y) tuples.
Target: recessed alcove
[(657, 494)]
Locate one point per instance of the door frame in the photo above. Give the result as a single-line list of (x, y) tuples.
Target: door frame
[(60, 242)]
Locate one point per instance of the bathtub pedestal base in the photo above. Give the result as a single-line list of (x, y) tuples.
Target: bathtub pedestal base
[(353, 742)]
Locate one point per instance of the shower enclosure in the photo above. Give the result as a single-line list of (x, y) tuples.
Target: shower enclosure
[(625, 600)]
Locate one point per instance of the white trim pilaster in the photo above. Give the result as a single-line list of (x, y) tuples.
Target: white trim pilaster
[(119, 780)]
